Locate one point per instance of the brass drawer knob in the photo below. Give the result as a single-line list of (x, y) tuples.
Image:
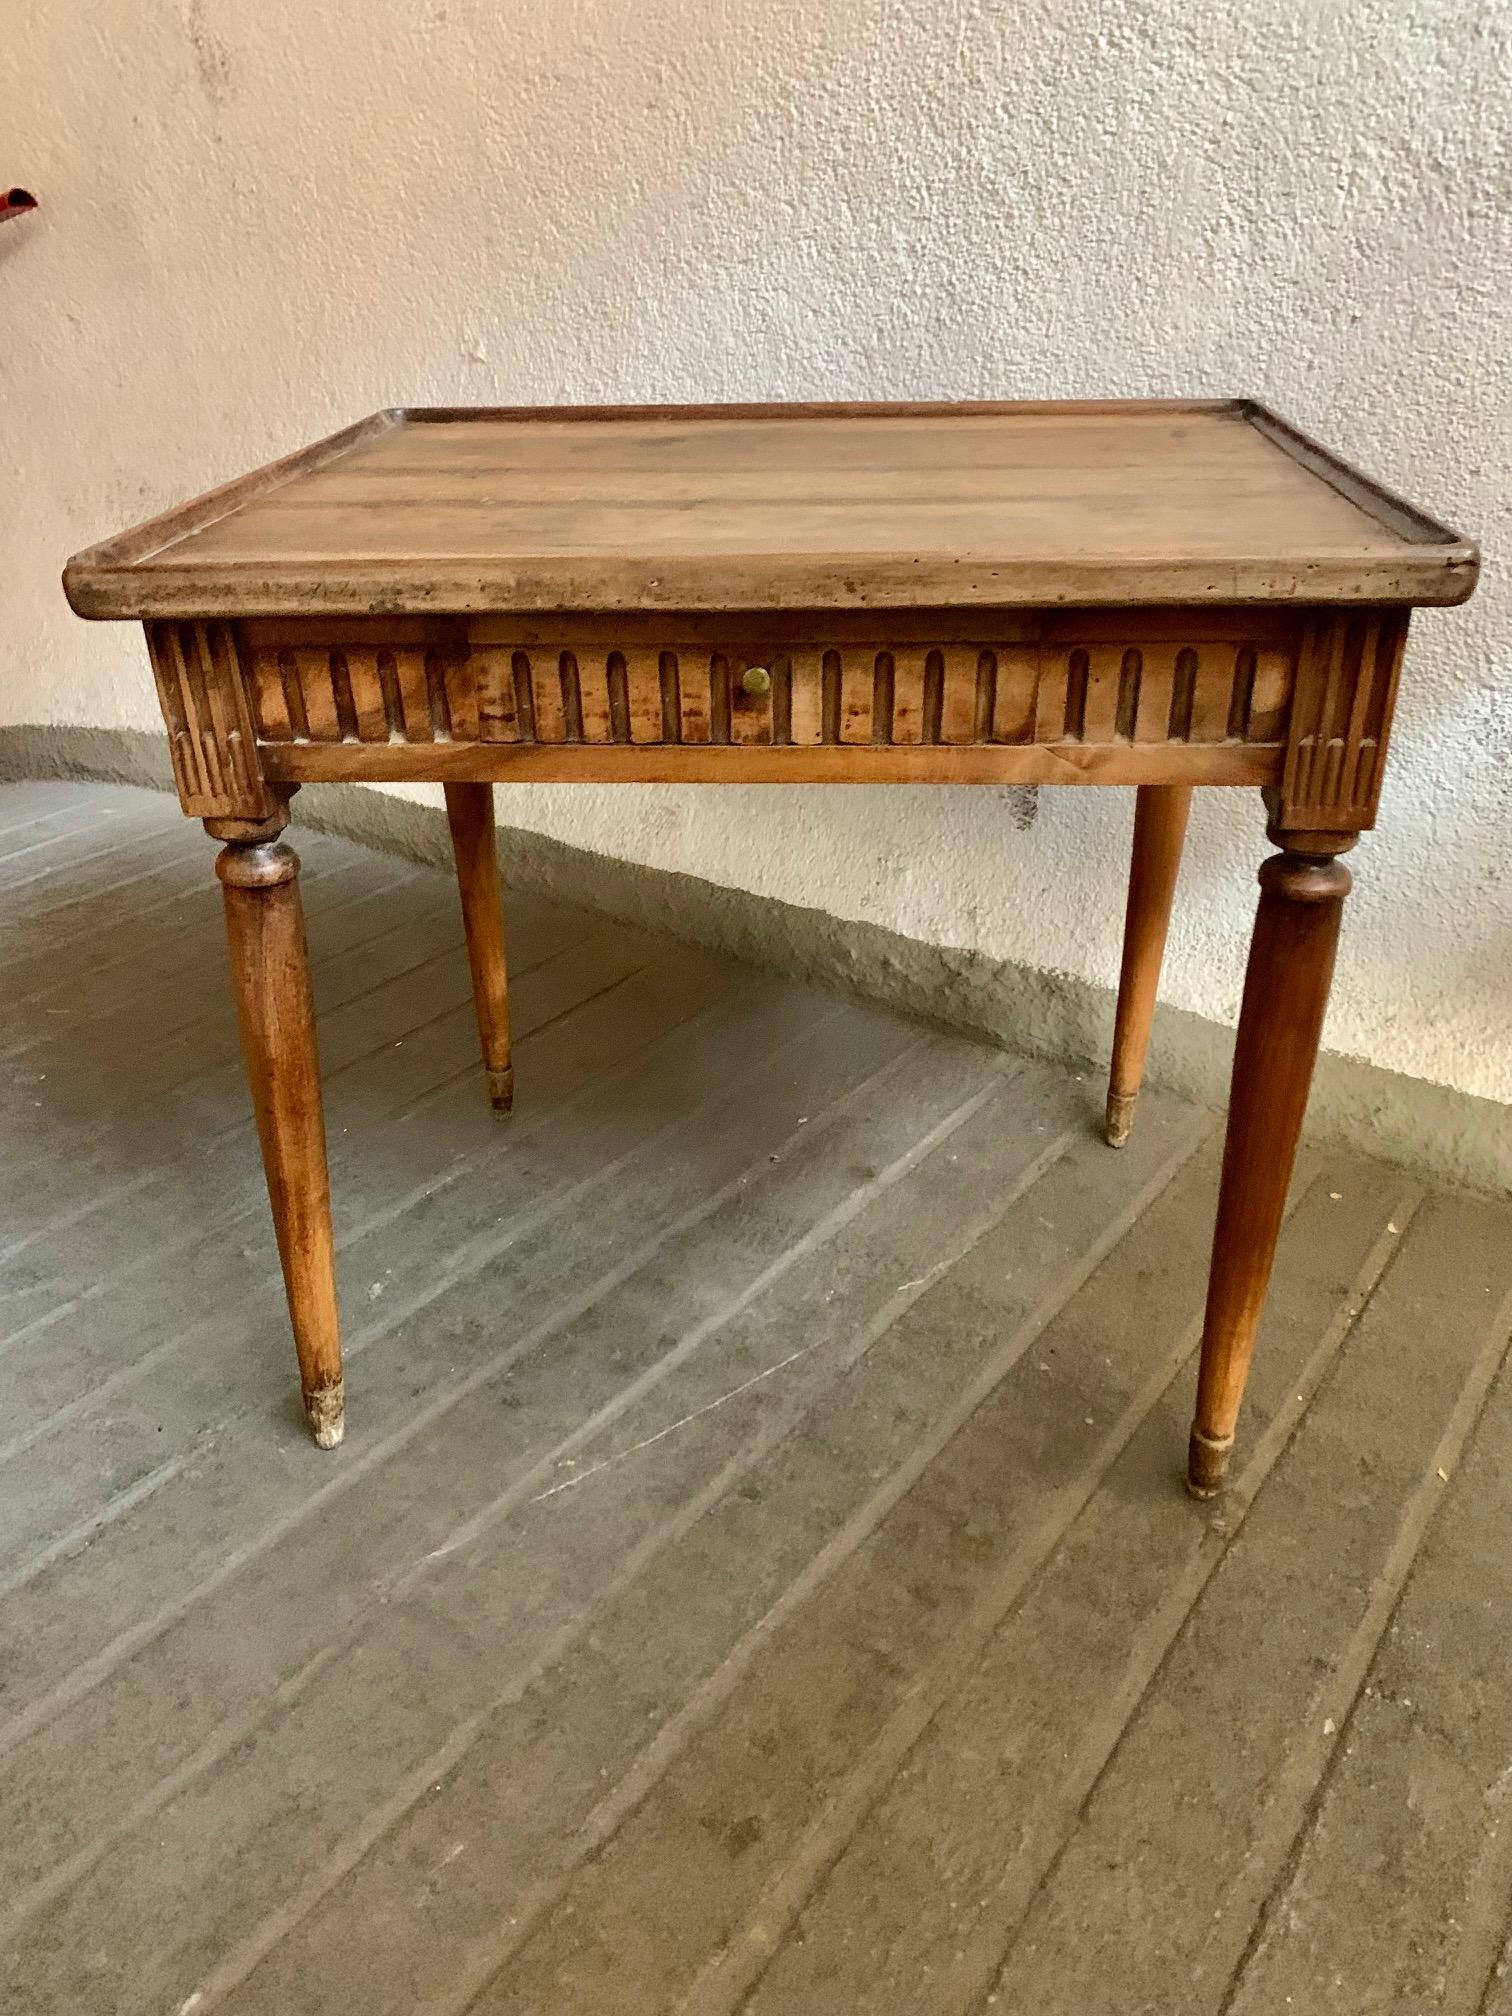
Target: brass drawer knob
[(756, 680)]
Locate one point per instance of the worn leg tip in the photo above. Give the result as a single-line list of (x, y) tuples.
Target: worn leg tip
[(501, 1089), (1207, 1463), (1120, 1117), (324, 1411)]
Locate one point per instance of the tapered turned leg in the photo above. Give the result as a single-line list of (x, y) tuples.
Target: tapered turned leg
[(1285, 996), (1160, 823), (470, 813), (271, 975)]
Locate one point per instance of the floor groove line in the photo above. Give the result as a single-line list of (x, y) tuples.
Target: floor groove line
[(227, 1064), (37, 915), (82, 817), (193, 954), (757, 1579), (637, 1783), (61, 941), (987, 1952), (86, 934), (243, 1124), (9, 854), (860, 1199), (460, 1738), (90, 1528), (457, 1171), (530, 1218), (733, 1974), (1483, 1950), (356, 1465), (1310, 1766), (174, 859)]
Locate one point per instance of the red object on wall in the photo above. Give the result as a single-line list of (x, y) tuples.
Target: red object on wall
[(16, 202)]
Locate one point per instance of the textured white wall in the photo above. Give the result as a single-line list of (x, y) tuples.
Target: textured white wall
[(260, 222)]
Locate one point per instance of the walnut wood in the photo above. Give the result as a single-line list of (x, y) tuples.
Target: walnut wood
[(1345, 693), (271, 977), (999, 696), (765, 763), (763, 632), (782, 507), (266, 826), (470, 814), (127, 548), (1160, 823), (1280, 1021), (1159, 594), (204, 694)]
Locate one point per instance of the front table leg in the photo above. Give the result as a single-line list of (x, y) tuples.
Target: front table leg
[(271, 975), (1285, 995)]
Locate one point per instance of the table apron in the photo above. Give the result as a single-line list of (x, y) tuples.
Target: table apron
[(1296, 699)]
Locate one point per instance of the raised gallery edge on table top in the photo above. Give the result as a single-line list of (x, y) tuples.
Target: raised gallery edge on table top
[(436, 510)]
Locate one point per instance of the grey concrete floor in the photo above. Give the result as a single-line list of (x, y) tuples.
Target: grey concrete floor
[(756, 1575)]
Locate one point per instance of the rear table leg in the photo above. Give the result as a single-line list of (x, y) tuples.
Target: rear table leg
[(470, 814), (1160, 822)]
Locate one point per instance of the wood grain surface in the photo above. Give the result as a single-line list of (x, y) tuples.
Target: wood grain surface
[(784, 506)]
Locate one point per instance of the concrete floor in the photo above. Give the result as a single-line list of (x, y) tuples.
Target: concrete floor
[(756, 1575)]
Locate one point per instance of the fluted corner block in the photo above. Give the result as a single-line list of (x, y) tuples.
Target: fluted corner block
[(212, 738), (1348, 665)]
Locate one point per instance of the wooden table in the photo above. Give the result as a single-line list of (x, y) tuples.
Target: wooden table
[(1152, 594)]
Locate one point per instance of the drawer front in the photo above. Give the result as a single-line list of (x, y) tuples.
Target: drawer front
[(472, 681)]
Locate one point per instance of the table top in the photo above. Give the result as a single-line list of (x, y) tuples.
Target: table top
[(784, 507)]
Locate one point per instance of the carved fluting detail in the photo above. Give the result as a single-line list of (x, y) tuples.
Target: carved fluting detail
[(212, 739), (1341, 715), (893, 695)]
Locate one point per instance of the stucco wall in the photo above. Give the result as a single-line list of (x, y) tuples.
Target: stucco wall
[(259, 222)]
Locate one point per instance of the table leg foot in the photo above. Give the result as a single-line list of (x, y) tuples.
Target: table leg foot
[(1120, 1117), (501, 1089), (325, 1412), (1160, 823), (1207, 1463)]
